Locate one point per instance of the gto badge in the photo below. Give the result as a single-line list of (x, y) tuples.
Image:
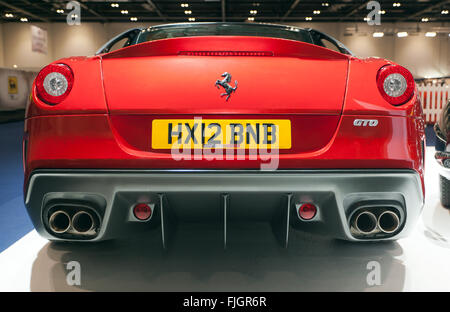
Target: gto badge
[(225, 84), (365, 122)]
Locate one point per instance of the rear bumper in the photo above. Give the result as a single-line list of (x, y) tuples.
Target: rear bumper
[(123, 143), (225, 197)]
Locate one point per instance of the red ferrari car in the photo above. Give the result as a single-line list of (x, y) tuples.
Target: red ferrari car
[(223, 123)]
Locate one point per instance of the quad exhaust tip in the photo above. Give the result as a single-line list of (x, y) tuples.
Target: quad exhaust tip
[(82, 222), (388, 222), (59, 221), (365, 222)]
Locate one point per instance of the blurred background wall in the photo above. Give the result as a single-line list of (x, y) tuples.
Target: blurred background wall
[(425, 57), (1, 46)]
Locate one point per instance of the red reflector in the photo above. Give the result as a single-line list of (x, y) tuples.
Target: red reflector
[(142, 211), (307, 211), (227, 53)]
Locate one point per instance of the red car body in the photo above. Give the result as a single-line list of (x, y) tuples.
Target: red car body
[(330, 99)]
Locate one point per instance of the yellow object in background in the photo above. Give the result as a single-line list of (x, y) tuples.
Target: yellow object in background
[(12, 85)]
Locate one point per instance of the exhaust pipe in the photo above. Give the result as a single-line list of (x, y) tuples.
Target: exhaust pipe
[(365, 222), (82, 222), (59, 222), (388, 222)]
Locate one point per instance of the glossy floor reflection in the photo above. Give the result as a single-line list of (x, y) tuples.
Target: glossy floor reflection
[(201, 265), (253, 261)]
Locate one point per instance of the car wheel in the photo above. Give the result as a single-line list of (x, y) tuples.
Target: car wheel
[(445, 191)]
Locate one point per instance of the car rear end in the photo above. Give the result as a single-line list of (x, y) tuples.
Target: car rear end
[(442, 155), (151, 135)]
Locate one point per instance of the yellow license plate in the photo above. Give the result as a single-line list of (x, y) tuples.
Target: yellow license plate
[(221, 133)]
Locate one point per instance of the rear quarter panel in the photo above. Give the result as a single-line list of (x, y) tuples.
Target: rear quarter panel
[(86, 97)]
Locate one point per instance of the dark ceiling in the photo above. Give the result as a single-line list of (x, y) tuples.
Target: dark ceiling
[(225, 10)]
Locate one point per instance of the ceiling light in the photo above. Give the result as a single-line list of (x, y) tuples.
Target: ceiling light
[(396, 4), (325, 4), (60, 11), (251, 19), (382, 12), (366, 19), (444, 12), (316, 11), (191, 19), (15, 66), (253, 12), (114, 5), (378, 34), (430, 34), (309, 18), (133, 19), (188, 12), (184, 5), (425, 19), (24, 19), (402, 34), (9, 15)]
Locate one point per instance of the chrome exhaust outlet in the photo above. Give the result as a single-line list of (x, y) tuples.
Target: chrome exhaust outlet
[(59, 222), (388, 222), (365, 222), (82, 222)]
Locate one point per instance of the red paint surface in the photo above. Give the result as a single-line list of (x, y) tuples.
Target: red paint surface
[(105, 122)]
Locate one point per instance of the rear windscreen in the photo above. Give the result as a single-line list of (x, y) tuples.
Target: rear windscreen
[(192, 30)]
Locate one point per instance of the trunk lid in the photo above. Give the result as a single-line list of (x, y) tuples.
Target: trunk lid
[(287, 82), (174, 76)]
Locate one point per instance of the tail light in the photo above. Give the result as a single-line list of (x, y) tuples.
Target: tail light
[(54, 82), (396, 84)]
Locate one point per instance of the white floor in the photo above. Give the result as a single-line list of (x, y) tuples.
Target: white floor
[(419, 263)]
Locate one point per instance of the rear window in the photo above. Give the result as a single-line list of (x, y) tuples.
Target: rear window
[(255, 30)]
